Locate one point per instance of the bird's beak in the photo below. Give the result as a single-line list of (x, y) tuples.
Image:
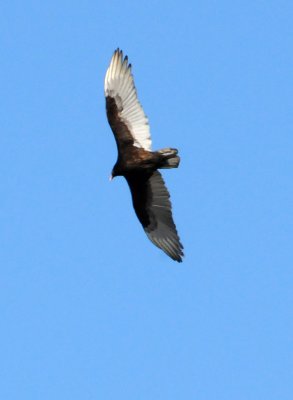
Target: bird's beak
[(110, 177)]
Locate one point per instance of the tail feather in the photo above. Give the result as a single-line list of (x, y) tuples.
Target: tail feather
[(169, 158), (171, 162)]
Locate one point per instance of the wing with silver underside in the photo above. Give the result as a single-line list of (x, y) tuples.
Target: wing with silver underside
[(119, 84), (151, 201)]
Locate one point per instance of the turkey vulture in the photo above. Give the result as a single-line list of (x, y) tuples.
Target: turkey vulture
[(136, 162)]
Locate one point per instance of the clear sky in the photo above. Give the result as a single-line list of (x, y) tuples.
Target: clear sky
[(90, 309)]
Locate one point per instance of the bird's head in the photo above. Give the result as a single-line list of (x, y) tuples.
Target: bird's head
[(115, 172)]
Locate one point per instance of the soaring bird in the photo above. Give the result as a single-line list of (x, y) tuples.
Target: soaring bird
[(136, 161)]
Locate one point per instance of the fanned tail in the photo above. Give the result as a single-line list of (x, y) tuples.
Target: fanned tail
[(169, 158)]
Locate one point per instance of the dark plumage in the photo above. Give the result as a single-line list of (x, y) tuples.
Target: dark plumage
[(136, 162)]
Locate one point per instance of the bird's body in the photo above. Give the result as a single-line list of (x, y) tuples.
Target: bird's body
[(136, 162)]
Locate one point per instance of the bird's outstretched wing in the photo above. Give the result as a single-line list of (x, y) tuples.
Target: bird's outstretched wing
[(153, 208), (125, 114)]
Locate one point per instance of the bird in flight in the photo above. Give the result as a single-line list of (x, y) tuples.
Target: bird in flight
[(136, 161)]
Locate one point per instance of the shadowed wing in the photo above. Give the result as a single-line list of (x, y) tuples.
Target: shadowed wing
[(153, 208), (125, 114)]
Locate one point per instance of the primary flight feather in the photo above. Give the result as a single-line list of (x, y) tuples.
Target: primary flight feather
[(136, 162)]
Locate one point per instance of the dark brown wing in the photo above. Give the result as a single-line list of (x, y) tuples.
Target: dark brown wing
[(121, 132), (125, 113), (153, 208)]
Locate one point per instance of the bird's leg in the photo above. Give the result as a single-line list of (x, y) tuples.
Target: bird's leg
[(168, 152)]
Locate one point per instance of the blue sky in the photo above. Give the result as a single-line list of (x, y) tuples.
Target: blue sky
[(90, 309)]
